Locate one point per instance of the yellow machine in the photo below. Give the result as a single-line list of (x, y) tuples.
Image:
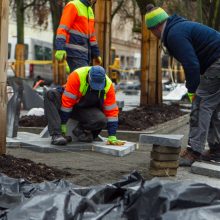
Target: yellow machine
[(114, 70)]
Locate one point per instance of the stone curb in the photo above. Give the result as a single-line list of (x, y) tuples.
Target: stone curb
[(133, 136)]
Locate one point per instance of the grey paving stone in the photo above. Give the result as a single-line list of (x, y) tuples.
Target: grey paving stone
[(166, 150), (161, 139), (35, 143), (118, 151), (206, 169)]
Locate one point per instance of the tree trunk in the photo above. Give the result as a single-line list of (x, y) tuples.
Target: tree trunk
[(56, 8), (3, 68), (20, 21)]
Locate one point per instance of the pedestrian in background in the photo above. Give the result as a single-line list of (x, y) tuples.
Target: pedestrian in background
[(197, 48), (75, 39)]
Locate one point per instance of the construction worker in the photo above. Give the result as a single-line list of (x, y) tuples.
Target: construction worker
[(75, 39), (89, 98), (197, 48)]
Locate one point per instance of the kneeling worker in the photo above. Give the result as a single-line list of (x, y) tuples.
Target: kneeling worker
[(89, 98)]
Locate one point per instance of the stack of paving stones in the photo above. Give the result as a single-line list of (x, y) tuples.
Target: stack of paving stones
[(164, 154)]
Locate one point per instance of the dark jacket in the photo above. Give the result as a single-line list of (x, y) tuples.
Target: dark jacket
[(194, 45)]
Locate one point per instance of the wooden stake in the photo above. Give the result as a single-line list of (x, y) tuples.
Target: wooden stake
[(3, 68), (20, 58)]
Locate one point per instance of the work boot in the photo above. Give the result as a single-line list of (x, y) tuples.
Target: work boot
[(188, 157), (212, 155), (58, 139)]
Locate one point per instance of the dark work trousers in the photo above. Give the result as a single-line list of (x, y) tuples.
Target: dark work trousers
[(75, 63), (89, 118), (205, 114)]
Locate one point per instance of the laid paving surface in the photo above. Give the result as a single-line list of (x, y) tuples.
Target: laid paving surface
[(92, 168), (36, 143)]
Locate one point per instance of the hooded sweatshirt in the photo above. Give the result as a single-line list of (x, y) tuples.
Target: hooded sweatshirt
[(194, 45)]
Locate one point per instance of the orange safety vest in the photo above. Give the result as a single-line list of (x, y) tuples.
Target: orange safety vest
[(77, 86), (76, 32)]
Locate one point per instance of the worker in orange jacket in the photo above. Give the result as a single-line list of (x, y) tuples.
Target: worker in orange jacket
[(75, 39), (89, 98)]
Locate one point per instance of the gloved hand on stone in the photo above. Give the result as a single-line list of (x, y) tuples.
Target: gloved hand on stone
[(60, 55), (191, 96), (112, 140), (98, 60)]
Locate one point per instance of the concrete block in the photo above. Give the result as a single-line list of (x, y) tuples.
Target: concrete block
[(163, 172), (164, 157), (206, 169), (166, 150), (161, 139), (118, 151), (164, 164)]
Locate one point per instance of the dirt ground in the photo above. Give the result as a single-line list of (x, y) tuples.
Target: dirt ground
[(134, 120), (25, 168)]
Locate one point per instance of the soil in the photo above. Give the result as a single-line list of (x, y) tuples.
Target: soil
[(135, 120), (29, 170)]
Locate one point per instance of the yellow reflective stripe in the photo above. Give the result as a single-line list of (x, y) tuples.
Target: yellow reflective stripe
[(110, 107), (70, 95), (79, 33), (77, 47), (61, 36), (112, 119), (64, 109), (154, 13)]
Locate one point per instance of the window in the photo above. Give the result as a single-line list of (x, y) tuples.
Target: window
[(9, 50), (39, 52), (48, 53)]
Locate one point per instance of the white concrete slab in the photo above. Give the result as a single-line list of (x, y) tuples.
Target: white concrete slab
[(36, 143), (206, 168), (118, 151)]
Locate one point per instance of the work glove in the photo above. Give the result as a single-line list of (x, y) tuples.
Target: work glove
[(98, 60), (63, 129), (60, 55), (112, 140), (191, 96), (64, 132), (67, 68)]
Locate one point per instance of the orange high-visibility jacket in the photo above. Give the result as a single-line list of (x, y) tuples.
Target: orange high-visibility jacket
[(77, 86), (76, 32)]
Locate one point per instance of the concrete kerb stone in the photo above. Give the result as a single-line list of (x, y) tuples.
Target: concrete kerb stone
[(133, 136), (206, 169)]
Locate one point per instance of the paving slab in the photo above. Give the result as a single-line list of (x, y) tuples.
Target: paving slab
[(164, 164), (36, 143), (206, 169), (166, 150), (163, 172), (164, 157), (161, 139), (118, 151)]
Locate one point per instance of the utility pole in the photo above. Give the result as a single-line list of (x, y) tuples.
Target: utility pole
[(103, 29), (4, 8)]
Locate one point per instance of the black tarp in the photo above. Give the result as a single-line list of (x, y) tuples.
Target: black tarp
[(131, 198)]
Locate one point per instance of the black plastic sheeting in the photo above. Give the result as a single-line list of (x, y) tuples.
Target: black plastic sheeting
[(131, 198)]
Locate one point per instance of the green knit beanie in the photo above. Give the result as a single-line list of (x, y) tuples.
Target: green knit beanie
[(155, 16)]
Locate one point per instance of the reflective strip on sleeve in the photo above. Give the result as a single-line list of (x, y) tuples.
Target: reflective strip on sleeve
[(110, 107), (64, 109), (77, 47), (70, 95), (61, 36), (79, 33), (62, 26), (93, 43), (112, 119)]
